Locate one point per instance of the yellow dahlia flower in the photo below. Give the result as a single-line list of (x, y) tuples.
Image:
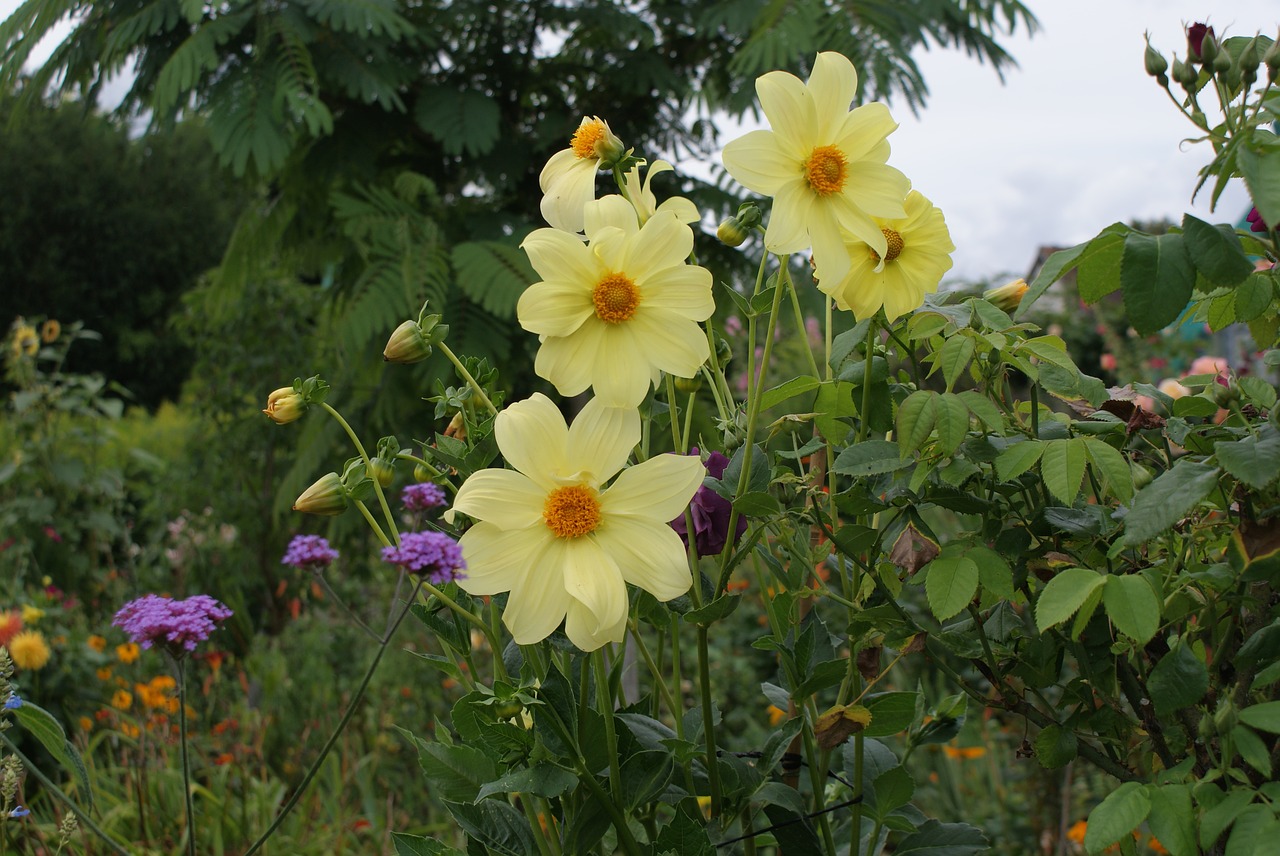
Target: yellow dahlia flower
[(568, 181), (616, 312), (823, 164), (29, 650), (918, 254), (640, 195), (561, 542)]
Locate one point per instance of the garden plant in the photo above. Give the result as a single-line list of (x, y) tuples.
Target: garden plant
[(724, 589)]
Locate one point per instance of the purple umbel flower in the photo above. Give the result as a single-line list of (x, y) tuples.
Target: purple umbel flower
[(422, 496), (433, 555), (309, 552), (710, 513), (172, 624)]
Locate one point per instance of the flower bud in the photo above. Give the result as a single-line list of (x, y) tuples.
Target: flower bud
[(327, 497), (1223, 391), (724, 352), (1185, 74), (688, 385), (730, 233), (611, 150), (1197, 51), (383, 471), (1247, 62), (421, 473), (285, 405), (407, 345), (1272, 58), (1155, 63), (1221, 61), (1007, 297)]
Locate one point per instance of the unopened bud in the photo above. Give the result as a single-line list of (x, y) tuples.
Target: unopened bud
[(412, 341), (285, 405), (688, 385), (421, 473), (327, 497), (724, 352), (1155, 63), (383, 471), (1221, 61), (734, 231), (1007, 297), (1248, 62), (1223, 391), (1272, 58), (1202, 45), (1185, 74)]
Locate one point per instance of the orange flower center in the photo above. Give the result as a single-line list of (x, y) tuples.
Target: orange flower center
[(826, 170), (895, 245), (616, 298), (572, 511), (586, 137)]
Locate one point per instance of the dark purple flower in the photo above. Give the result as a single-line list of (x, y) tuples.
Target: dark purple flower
[(1195, 39), (309, 552), (173, 624), (710, 513), (422, 496), (433, 555), (1255, 221)]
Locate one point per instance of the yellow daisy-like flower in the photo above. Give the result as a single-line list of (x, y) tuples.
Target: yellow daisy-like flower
[(29, 650), (640, 195), (31, 614), (25, 339), (128, 652), (50, 331), (616, 312), (121, 700), (823, 164), (919, 248), (557, 539), (97, 643), (568, 181)]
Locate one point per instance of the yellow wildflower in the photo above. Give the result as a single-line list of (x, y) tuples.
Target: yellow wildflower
[(31, 614), (121, 699), (128, 652), (97, 643), (29, 650)]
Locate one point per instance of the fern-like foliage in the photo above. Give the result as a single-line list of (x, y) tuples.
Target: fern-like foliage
[(493, 274)]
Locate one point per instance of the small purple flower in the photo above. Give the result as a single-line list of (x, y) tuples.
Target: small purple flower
[(173, 624), (433, 555), (13, 702), (422, 496), (19, 812), (710, 513), (309, 553), (1256, 223)]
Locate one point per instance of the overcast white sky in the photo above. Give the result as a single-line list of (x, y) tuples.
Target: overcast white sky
[(1077, 138)]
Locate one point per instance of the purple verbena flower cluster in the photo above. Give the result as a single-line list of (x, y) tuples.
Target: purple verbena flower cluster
[(710, 513), (422, 496), (172, 624), (433, 555), (309, 552)]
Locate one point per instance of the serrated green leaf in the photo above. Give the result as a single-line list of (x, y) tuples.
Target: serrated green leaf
[(1254, 296), (954, 358), (544, 780), (1055, 747), (1171, 819), (950, 584), (1216, 252), (1018, 458), (1254, 460), (1132, 606), (1178, 680), (1161, 504), (1259, 162), (870, 457), (983, 409), (1099, 272), (1264, 717), (1049, 349), (952, 423), (790, 389), (1062, 468), (1219, 818), (943, 839), (994, 573), (456, 773), (1254, 832), (1158, 279), (1222, 312), (1054, 268), (893, 789), (1064, 594), (916, 418), (1252, 749), (1116, 816), (1117, 475), (891, 713)]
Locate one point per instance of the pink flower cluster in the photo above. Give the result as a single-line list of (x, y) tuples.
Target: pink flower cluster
[(173, 624)]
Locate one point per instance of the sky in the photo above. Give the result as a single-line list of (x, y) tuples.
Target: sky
[(1078, 136)]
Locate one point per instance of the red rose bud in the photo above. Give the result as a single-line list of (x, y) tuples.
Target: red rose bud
[(1255, 221), (1196, 34)]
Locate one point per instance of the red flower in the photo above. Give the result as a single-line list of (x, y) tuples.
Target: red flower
[(1195, 39)]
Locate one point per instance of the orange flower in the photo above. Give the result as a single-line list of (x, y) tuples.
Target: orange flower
[(776, 715), (86, 724), (128, 729), (104, 673), (10, 625), (1076, 832), (964, 753), (121, 700), (128, 652), (97, 643)]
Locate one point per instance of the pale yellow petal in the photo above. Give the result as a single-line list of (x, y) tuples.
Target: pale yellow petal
[(622, 371), (554, 308), (568, 192), (610, 245), (829, 254), (833, 85), (788, 106), (592, 578), (862, 131), (676, 345), (649, 554), (559, 163), (584, 631), (658, 489), (902, 293), (757, 162), (611, 211), (861, 266), (877, 190), (567, 361), (684, 290), (497, 559), (560, 257), (601, 438), (507, 499), (788, 229), (684, 210), (663, 242), (538, 601), (532, 436)]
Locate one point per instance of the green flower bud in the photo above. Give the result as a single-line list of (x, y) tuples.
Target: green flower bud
[(412, 341), (1224, 391), (421, 473), (1248, 62), (327, 497), (724, 352), (1155, 63), (1221, 61), (383, 471), (1209, 48), (1185, 74), (1226, 717), (688, 385), (1007, 297), (1272, 58), (731, 234)]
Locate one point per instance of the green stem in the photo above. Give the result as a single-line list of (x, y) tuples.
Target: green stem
[(708, 721), (466, 375), (368, 469), (784, 275), (816, 778), (472, 619), (81, 814), (181, 668), (337, 732), (605, 702), (373, 524)]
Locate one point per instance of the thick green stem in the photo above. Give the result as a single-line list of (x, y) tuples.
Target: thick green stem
[(605, 701)]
